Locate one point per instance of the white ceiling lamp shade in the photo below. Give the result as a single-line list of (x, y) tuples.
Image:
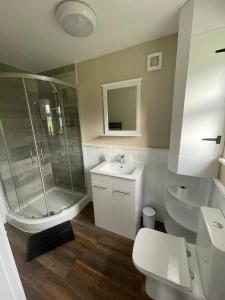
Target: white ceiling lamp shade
[(76, 18)]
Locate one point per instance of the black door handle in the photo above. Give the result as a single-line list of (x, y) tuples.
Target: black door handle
[(217, 139)]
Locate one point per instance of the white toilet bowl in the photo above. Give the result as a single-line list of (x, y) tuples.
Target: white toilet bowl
[(163, 259), (176, 270)]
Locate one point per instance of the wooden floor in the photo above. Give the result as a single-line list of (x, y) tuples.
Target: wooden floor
[(96, 265)]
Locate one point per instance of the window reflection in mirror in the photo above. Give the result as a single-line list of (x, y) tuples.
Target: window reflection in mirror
[(122, 104)]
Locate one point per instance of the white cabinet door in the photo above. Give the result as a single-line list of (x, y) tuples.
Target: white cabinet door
[(10, 285), (199, 92), (103, 211), (204, 104), (123, 211)]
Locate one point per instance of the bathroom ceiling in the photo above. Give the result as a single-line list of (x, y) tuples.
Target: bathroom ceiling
[(31, 38)]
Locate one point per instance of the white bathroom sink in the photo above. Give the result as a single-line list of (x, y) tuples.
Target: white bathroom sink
[(114, 168)]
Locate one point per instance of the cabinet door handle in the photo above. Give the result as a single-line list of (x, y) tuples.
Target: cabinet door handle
[(99, 187), (217, 139), (125, 193)]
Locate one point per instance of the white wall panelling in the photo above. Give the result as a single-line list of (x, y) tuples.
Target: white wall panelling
[(156, 175)]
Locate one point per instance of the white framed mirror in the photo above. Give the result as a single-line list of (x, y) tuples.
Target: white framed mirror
[(122, 102)]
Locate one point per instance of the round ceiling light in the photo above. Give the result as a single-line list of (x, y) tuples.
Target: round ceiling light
[(77, 18)]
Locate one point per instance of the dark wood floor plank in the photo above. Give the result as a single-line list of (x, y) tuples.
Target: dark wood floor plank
[(115, 257), (114, 271), (56, 261), (97, 265), (28, 270), (111, 289), (53, 287), (31, 292), (81, 283)]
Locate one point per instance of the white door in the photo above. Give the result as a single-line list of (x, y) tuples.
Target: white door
[(123, 210), (10, 284), (203, 119), (102, 199)]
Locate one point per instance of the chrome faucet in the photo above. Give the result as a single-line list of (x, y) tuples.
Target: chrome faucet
[(122, 159)]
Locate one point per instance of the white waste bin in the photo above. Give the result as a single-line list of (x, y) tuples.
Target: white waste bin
[(149, 217)]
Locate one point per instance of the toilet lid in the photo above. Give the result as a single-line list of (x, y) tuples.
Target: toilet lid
[(162, 255)]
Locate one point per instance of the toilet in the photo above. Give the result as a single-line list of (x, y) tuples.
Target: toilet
[(177, 270)]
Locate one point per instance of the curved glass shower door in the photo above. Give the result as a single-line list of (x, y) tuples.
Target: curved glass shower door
[(41, 163), (50, 137), (55, 120), (20, 172)]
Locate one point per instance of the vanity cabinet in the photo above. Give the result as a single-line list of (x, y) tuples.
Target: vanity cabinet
[(197, 129), (103, 205), (124, 211), (117, 203)]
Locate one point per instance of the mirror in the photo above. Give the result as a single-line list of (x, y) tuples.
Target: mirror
[(122, 107)]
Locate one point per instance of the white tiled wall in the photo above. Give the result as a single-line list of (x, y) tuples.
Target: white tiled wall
[(156, 175)]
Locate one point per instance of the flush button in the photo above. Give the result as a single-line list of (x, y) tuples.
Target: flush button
[(218, 225)]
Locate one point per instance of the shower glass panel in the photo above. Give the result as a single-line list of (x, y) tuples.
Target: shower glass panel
[(20, 174), (51, 144), (7, 179), (54, 117), (72, 124)]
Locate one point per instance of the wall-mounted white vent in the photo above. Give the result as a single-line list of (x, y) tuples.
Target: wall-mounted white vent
[(154, 61)]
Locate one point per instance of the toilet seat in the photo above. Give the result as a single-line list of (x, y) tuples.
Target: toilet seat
[(162, 256)]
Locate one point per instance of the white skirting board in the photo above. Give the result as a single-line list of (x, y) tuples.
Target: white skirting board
[(156, 174)]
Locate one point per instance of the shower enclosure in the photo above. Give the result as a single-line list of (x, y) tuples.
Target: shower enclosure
[(41, 162)]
